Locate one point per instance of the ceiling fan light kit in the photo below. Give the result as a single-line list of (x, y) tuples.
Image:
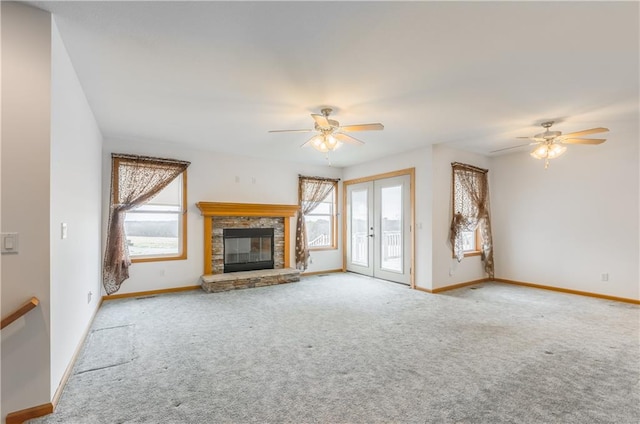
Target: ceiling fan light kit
[(331, 134), (548, 151), (551, 144), (324, 143)]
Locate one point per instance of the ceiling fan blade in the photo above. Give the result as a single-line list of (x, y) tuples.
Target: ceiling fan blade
[(296, 131), (513, 147), (584, 140), (348, 139), (321, 120), (536, 139), (585, 132), (363, 127)]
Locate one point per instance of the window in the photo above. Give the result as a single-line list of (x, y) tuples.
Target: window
[(471, 221), (157, 229), (316, 221), (464, 205), (321, 223)]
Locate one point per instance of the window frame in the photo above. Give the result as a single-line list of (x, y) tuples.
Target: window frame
[(333, 220), (182, 235)]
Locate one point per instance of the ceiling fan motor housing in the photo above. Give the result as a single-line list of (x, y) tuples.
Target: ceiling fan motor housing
[(548, 135), (332, 125)]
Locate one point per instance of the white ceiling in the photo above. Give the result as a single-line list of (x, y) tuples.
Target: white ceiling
[(219, 75)]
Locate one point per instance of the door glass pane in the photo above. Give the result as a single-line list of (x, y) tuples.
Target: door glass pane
[(391, 221), (359, 228)]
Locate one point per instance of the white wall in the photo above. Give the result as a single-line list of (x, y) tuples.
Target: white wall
[(565, 226), (419, 159), (26, 110), (448, 271), (1, 314), (76, 184), (211, 177)]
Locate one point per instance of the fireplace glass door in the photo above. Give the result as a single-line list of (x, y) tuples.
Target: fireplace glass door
[(247, 249)]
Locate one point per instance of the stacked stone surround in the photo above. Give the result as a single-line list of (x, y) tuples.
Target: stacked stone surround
[(248, 279), (222, 222)]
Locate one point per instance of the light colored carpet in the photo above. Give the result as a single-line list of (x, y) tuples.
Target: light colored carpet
[(99, 352), (344, 348)]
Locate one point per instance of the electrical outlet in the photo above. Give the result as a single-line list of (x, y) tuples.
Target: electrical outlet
[(605, 276), (9, 242)]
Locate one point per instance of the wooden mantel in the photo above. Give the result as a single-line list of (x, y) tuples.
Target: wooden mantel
[(211, 209), (246, 209)]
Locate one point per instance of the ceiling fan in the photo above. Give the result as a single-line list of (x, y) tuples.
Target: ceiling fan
[(330, 133), (551, 144)]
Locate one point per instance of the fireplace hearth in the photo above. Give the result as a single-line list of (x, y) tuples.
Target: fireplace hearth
[(248, 249)]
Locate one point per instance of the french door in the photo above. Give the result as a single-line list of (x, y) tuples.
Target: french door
[(378, 228)]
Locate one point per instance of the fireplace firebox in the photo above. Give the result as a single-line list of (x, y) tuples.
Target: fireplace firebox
[(248, 249)]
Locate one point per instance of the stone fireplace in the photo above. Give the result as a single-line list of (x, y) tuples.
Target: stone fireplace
[(230, 262)]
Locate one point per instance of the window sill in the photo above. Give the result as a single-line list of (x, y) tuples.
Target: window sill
[(472, 253), (320, 249), (158, 259)]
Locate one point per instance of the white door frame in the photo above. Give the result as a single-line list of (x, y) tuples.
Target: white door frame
[(411, 172)]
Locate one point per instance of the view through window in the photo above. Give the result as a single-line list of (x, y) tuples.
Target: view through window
[(155, 229), (469, 241)]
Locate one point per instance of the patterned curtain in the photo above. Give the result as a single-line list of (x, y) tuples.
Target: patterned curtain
[(139, 179), (470, 192), (311, 191)]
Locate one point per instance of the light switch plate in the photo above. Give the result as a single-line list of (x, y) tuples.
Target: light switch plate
[(9, 243)]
